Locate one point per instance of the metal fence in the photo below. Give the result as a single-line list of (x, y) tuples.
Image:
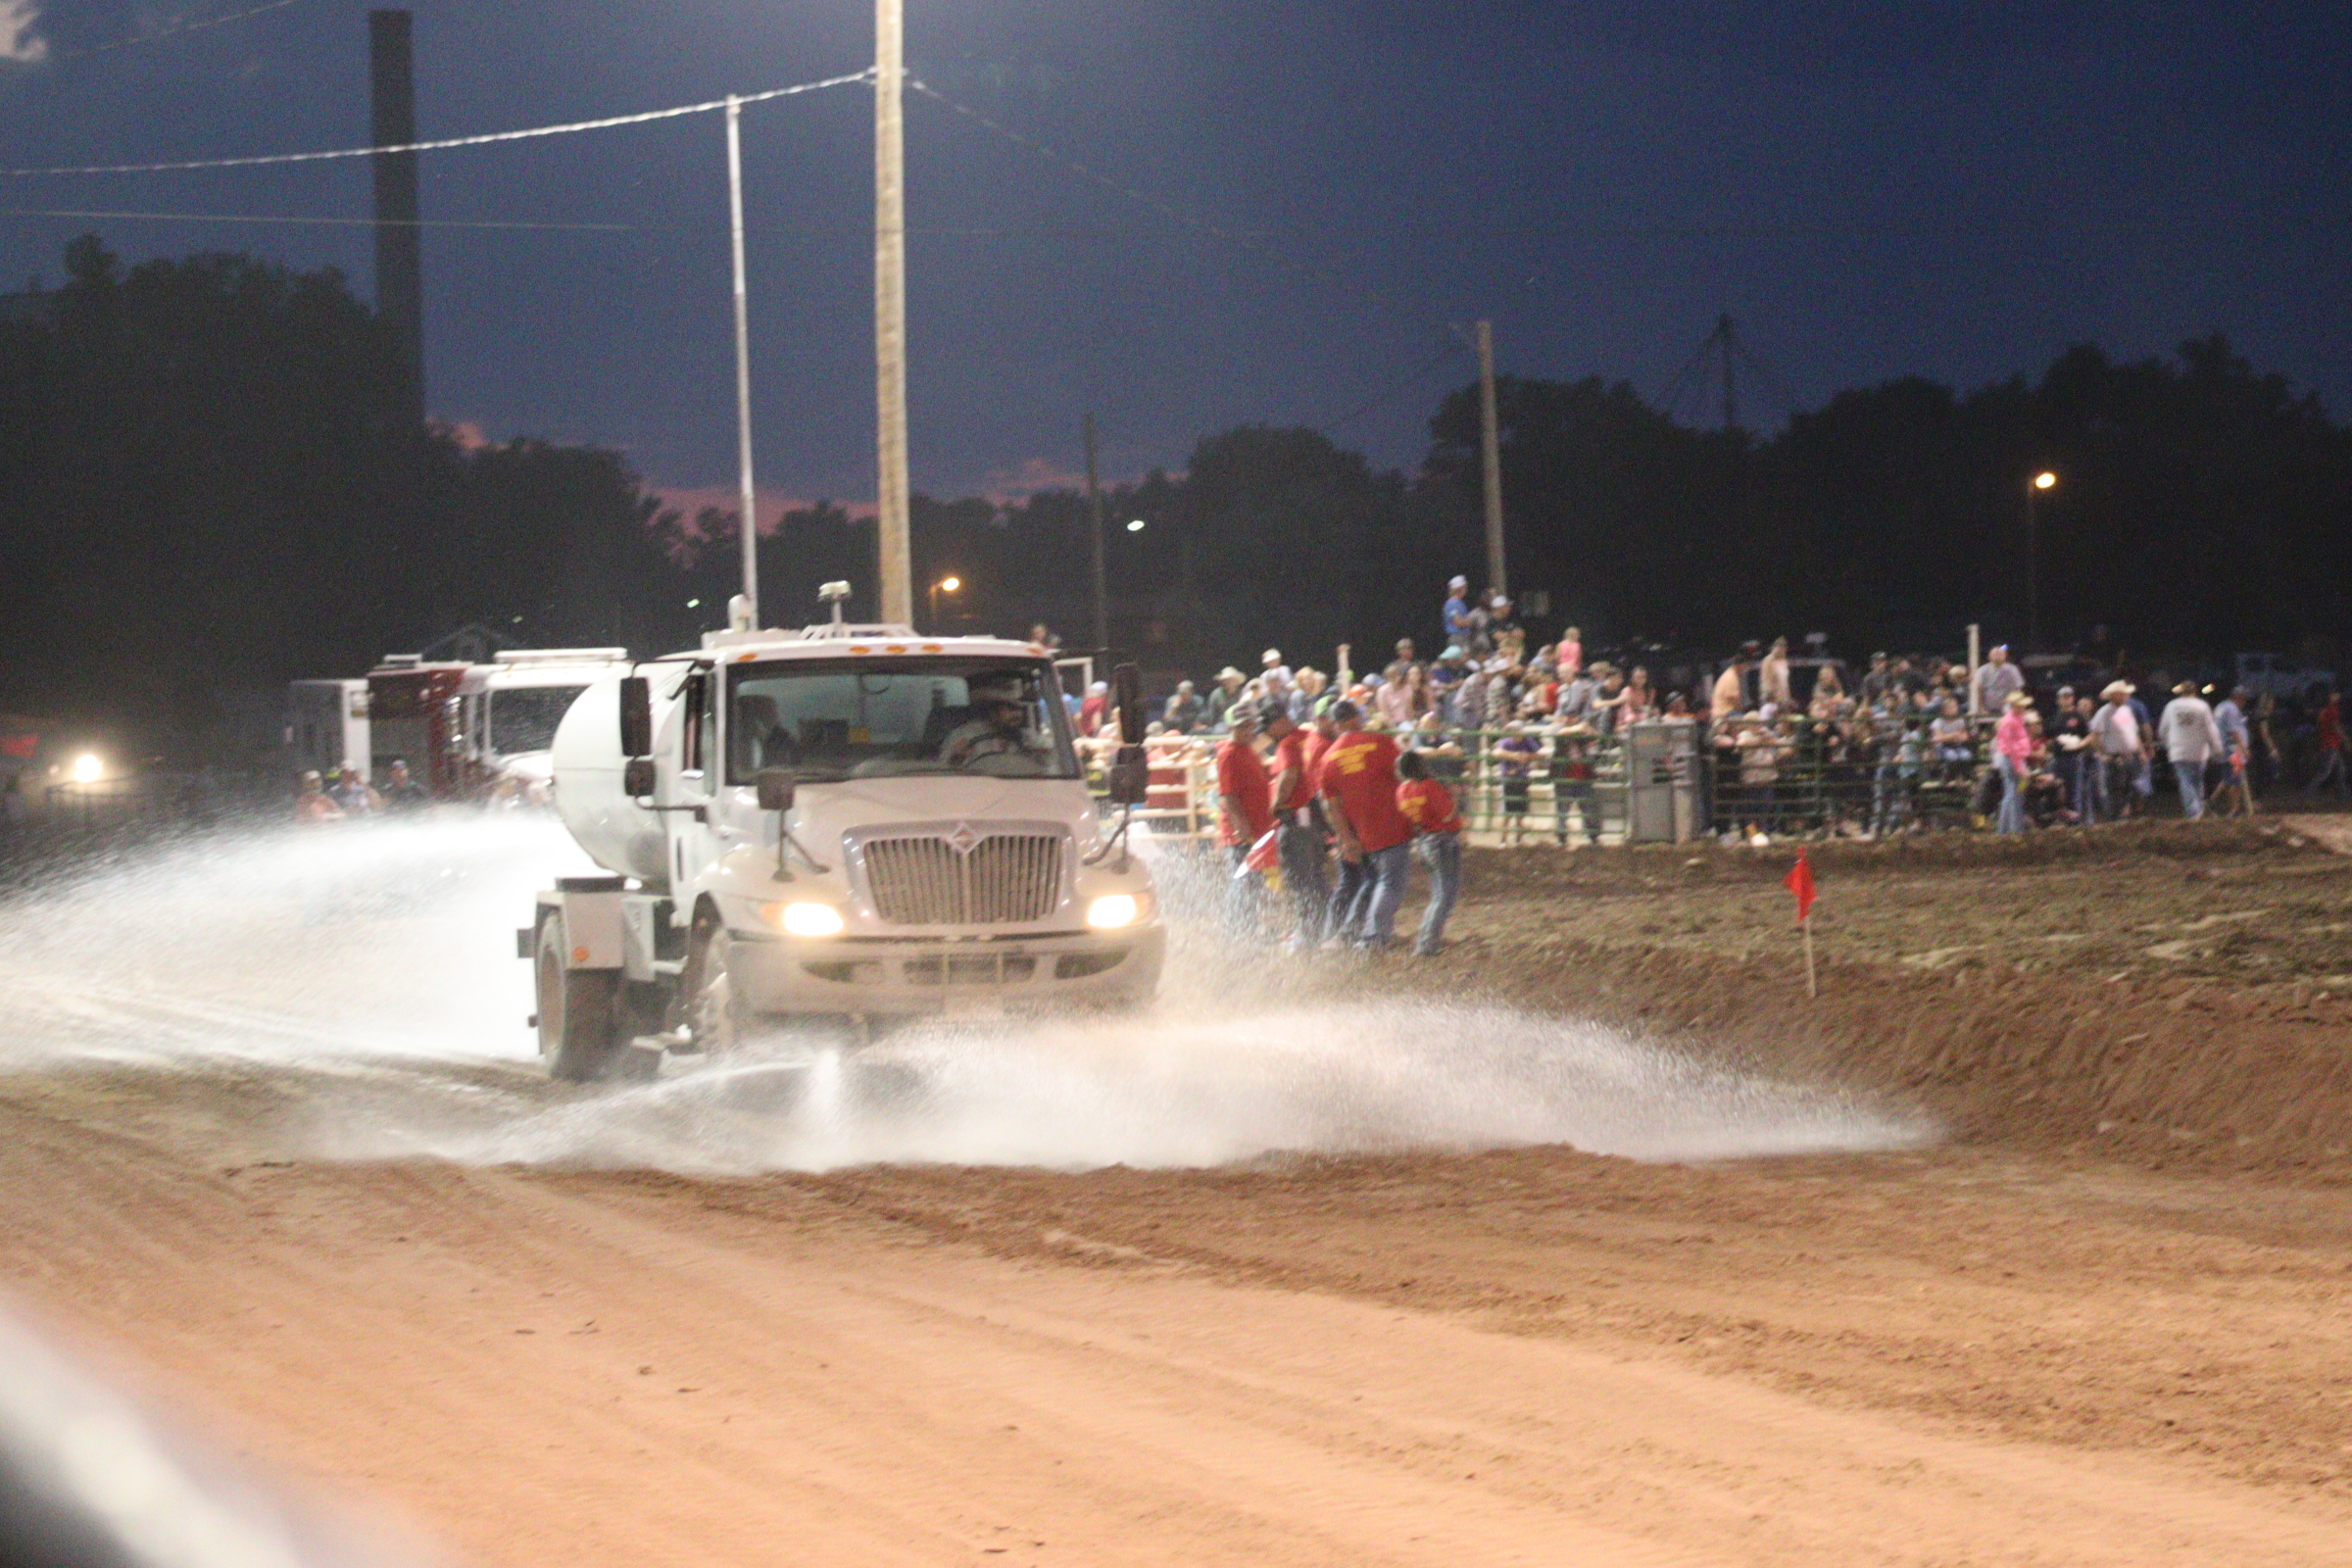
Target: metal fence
[(1796, 779)]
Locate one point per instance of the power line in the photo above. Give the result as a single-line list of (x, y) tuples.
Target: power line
[(172, 30), (606, 123), (1403, 386), (333, 222)]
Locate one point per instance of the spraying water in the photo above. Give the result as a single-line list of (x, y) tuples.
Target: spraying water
[(381, 957)]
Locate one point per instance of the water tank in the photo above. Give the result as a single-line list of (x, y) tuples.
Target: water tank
[(618, 833)]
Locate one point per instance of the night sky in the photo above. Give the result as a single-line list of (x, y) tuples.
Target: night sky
[(1956, 189)]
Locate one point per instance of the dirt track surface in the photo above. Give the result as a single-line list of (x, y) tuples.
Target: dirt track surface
[(2104, 1323)]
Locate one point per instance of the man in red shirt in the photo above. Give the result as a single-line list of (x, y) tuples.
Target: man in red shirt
[(1245, 812), (1359, 781), (2332, 746), (1429, 806), (1297, 823)]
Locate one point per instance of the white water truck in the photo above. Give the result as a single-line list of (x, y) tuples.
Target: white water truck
[(843, 824)]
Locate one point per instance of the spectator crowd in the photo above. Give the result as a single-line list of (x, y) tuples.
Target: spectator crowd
[(1789, 743)]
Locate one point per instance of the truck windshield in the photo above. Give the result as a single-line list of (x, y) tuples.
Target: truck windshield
[(524, 718), (835, 720)]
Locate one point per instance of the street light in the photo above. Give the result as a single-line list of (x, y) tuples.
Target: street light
[(1136, 526), (945, 585), (88, 768), (2045, 481)]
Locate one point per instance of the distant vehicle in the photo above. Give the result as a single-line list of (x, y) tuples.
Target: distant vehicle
[(841, 821), (477, 732), (2269, 674), (414, 716), (508, 711)]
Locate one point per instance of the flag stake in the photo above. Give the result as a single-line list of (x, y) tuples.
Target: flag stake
[(1800, 881)]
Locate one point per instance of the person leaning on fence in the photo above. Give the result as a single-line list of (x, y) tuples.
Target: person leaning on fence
[(1515, 764), (1572, 780), (1438, 839), (1359, 784)]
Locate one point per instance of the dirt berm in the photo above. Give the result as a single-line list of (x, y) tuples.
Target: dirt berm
[(2168, 993)]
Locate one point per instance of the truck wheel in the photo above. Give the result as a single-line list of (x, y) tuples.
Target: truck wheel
[(715, 1011), (576, 1012)]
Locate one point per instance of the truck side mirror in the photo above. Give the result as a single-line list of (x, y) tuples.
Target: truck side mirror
[(636, 716), (1130, 777), (637, 777), (776, 788), (1127, 701)]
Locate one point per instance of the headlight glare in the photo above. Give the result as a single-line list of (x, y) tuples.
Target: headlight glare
[(1114, 910), (808, 918)]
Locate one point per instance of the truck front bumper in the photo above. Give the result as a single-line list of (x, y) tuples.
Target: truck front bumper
[(781, 975)]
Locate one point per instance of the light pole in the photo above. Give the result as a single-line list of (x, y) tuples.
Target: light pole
[(2045, 481), (945, 585), (890, 308), (749, 498)]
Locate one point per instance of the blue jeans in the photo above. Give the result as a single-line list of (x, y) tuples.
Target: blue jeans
[(2013, 796), (1346, 891), (2190, 776), (1441, 853), (1305, 878), (1371, 917)]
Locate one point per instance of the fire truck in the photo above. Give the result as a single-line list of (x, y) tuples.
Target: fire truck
[(478, 732)]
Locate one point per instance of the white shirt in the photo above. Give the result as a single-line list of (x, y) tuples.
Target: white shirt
[(2188, 731), (2115, 729)]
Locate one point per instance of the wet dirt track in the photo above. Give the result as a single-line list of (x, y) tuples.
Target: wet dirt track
[(2034, 1350)]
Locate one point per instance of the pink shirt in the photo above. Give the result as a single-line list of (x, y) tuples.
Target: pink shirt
[(2010, 738)]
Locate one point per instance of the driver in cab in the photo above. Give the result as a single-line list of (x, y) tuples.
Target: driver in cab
[(998, 727)]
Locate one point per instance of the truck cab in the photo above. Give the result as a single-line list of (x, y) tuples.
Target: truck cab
[(843, 823), (509, 709)]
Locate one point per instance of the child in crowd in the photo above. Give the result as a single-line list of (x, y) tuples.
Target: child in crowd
[(1437, 838)]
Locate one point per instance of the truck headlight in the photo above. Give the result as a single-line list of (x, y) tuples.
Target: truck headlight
[(1114, 910), (807, 918)]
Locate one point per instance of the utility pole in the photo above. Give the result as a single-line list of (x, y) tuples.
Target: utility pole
[(889, 309), (1094, 518), (1491, 455), (399, 253), (742, 373)]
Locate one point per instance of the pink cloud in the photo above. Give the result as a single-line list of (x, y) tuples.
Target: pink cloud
[(689, 502), (469, 436)]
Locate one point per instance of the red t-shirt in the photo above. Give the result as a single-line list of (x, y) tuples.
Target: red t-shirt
[(1359, 776), (1429, 806), (1242, 776), (1290, 757), (2332, 728), (1317, 742)]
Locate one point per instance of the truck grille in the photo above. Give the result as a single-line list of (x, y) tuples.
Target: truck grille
[(1006, 879)]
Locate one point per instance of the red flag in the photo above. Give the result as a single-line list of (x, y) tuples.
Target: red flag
[(1264, 855), (1800, 881)]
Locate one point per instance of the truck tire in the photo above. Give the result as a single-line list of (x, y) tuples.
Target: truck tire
[(579, 1016), (714, 1008)]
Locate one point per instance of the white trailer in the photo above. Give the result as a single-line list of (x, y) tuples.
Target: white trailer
[(326, 725), (849, 822)]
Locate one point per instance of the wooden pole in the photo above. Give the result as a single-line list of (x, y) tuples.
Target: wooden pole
[(1806, 926)]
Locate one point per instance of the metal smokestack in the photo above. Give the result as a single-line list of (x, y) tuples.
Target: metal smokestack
[(398, 256)]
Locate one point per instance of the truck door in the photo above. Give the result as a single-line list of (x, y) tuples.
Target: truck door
[(698, 837)]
